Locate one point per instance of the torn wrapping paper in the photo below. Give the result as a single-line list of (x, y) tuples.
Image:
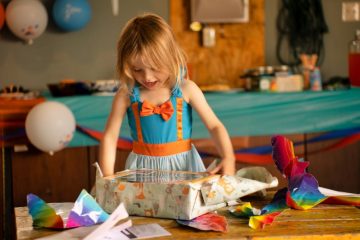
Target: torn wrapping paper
[(247, 181), (173, 194), (85, 212), (109, 226), (117, 226)]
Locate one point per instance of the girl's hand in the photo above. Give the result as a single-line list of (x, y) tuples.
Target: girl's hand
[(226, 167)]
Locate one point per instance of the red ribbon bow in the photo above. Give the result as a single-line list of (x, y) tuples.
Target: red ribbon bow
[(165, 110)]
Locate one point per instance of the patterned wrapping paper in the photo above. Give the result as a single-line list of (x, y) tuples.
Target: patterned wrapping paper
[(171, 194), (246, 181), (162, 196)]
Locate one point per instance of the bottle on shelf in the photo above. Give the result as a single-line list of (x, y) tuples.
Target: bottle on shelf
[(354, 60)]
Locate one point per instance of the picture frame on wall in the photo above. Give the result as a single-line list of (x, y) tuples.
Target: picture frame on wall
[(220, 11)]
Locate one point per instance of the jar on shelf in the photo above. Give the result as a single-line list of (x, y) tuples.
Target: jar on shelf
[(354, 60), (266, 78)]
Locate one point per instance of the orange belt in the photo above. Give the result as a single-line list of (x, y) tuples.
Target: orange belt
[(162, 149)]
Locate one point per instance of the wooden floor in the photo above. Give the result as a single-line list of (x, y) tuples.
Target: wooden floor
[(321, 222)]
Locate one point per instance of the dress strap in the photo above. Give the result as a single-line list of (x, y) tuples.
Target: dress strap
[(176, 91), (135, 95), (136, 111), (135, 99)]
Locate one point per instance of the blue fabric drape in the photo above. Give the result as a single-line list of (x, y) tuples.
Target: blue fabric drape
[(243, 114)]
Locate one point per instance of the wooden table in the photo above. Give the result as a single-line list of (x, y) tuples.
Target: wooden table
[(321, 222)]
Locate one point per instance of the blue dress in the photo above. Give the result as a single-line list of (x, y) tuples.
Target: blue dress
[(162, 134)]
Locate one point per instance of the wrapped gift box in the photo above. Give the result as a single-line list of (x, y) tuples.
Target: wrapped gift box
[(175, 194), (154, 193)]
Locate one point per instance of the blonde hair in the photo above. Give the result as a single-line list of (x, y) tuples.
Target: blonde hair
[(150, 37)]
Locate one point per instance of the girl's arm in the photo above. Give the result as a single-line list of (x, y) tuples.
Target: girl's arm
[(218, 132), (112, 130)]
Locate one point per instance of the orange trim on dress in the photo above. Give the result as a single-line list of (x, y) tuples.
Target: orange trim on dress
[(179, 118), (135, 109), (162, 149)]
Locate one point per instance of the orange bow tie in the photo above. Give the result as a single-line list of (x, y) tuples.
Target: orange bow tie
[(165, 110)]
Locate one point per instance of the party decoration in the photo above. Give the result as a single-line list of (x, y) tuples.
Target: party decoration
[(207, 222), (303, 190), (2, 15), (244, 210), (50, 126), (86, 212), (71, 15), (42, 214), (122, 143), (270, 211), (27, 19), (302, 193)]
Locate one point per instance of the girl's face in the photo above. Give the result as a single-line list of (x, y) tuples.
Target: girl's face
[(147, 76)]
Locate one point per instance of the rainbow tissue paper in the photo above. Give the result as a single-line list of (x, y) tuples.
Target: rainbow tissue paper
[(302, 193), (85, 212)]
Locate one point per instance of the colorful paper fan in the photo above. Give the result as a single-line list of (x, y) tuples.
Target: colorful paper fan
[(86, 212), (42, 214), (303, 192), (277, 203)]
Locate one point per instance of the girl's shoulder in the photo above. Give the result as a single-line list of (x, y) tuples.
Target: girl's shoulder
[(189, 88), (122, 96)]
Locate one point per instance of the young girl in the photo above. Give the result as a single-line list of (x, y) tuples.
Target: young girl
[(158, 99)]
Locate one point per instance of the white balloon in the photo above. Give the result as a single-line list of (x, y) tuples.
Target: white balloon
[(27, 19), (50, 126)]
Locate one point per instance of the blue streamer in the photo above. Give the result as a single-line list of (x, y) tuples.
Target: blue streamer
[(324, 137)]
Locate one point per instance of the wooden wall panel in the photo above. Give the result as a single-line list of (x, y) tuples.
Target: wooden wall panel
[(57, 178), (238, 45), (336, 169)]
